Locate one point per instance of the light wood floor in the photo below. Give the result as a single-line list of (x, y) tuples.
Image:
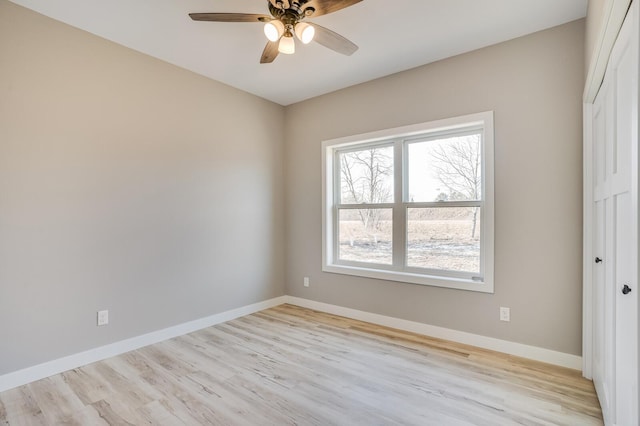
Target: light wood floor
[(290, 365)]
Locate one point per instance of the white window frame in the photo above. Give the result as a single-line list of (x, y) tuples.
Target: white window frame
[(399, 138)]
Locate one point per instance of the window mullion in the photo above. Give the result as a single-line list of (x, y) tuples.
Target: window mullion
[(399, 214), (365, 206), (336, 201), (441, 204)]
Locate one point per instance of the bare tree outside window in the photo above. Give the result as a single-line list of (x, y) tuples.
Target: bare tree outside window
[(443, 236), (366, 178), (457, 165)]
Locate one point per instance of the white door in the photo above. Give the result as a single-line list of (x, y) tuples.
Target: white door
[(604, 314), (615, 268)]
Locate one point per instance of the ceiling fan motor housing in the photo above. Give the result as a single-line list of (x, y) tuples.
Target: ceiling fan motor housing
[(292, 14)]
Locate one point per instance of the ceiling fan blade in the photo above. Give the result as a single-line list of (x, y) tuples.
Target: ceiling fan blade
[(230, 17), (324, 7), (333, 41), (270, 52)]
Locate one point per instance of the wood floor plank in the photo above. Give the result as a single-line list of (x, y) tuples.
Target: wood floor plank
[(3, 414), (113, 412), (56, 399), (155, 413), (86, 384), (87, 416), (21, 408), (294, 366)]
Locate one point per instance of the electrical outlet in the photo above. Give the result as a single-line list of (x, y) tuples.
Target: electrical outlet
[(103, 317), (306, 281), (505, 314)]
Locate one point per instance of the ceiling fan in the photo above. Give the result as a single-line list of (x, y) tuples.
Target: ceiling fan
[(286, 20)]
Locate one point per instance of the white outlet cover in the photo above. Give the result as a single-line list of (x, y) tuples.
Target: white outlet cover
[(103, 317), (505, 314)]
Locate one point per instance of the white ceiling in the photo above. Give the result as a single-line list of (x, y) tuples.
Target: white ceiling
[(392, 35)]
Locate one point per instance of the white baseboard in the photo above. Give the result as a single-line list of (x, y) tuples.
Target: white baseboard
[(518, 349), (40, 371), (50, 368)]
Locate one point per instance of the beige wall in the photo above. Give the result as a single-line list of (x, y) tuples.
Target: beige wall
[(534, 86), (126, 184)]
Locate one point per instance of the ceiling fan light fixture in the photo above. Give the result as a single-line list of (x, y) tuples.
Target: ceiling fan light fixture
[(274, 30), (284, 24), (287, 45), (305, 32)]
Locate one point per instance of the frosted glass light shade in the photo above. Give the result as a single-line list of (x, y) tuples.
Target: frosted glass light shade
[(274, 30), (287, 45), (305, 32)]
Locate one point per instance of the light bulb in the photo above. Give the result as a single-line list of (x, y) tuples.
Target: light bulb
[(305, 32), (287, 45), (274, 30)]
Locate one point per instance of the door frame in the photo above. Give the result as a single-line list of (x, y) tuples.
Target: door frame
[(614, 13), (587, 244)]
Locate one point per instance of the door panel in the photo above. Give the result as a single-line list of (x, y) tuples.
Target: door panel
[(625, 316)]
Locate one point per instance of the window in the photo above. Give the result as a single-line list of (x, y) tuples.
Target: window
[(412, 204)]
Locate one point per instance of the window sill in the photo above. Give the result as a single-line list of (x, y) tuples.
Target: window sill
[(412, 278)]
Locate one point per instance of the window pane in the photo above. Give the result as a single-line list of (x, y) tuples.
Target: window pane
[(365, 235), (447, 169), (366, 176), (445, 238)]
